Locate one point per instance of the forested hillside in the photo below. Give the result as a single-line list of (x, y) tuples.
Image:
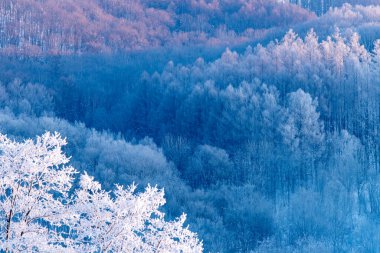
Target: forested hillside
[(260, 119), (66, 27)]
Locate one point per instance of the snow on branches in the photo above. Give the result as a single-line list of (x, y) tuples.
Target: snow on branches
[(40, 212)]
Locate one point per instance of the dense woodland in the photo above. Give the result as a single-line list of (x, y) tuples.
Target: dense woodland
[(263, 129)]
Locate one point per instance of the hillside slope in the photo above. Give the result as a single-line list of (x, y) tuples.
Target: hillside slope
[(69, 26)]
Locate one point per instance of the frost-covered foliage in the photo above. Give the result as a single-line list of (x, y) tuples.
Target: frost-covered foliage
[(39, 213), (34, 191), (128, 222)]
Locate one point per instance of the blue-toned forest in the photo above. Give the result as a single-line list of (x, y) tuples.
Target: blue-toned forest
[(260, 119)]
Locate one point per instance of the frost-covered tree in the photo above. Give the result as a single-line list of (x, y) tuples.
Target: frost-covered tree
[(128, 222), (39, 212), (33, 193), (302, 128)]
